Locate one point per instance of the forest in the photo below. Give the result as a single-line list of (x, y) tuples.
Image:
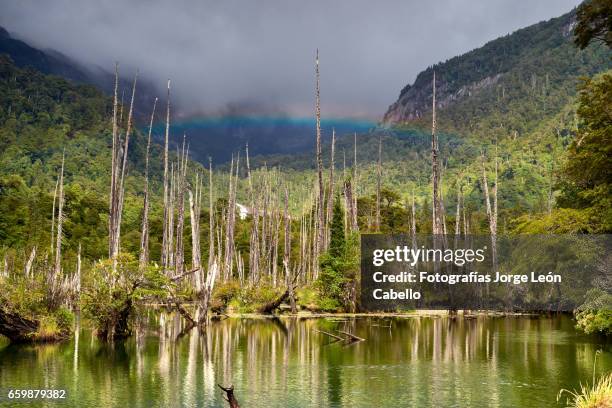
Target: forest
[(100, 216)]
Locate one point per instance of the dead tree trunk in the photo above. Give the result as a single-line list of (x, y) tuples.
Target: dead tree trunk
[(378, 177), (53, 218), (355, 184), (144, 233), (211, 216), (229, 395), (320, 211), (53, 277), (121, 187), (254, 238), (180, 224), (330, 200), (194, 216), (287, 255), (165, 234), (435, 169), (17, 328)]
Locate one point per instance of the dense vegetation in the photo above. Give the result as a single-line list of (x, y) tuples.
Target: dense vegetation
[(553, 150)]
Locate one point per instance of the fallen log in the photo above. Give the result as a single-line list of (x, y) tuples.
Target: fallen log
[(330, 335), (273, 305), (352, 336), (229, 396), (16, 328)]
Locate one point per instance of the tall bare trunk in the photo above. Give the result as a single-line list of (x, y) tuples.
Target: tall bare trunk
[(491, 210), (114, 158), (194, 215), (321, 209), (287, 255), (378, 181), (330, 199), (435, 169), (165, 253), (180, 224), (211, 218), (413, 228), (458, 213), (53, 218), (144, 233)]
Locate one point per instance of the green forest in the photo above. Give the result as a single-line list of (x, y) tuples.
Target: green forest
[(537, 142)]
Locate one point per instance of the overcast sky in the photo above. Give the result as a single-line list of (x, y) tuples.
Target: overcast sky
[(262, 52)]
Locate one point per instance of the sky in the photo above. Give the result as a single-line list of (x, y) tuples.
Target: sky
[(259, 55)]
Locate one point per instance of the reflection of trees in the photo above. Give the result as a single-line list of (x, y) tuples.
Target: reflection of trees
[(417, 361)]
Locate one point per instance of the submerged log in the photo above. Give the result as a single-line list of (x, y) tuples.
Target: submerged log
[(229, 396)]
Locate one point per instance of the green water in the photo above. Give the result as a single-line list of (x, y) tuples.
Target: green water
[(416, 362)]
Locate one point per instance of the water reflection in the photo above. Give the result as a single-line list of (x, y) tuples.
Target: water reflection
[(288, 362)]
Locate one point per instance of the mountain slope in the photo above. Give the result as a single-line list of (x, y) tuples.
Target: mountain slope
[(512, 83), (55, 63)]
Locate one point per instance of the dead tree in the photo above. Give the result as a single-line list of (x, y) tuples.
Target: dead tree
[(438, 228), (287, 254), (330, 200), (118, 173), (378, 181), (53, 218), (53, 276), (355, 183), (211, 216), (230, 223), (491, 209), (180, 197), (121, 192), (229, 396), (27, 271), (320, 210), (165, 253), (144, 233), (458, 213), (195, 200), (413, 228), (114, 159), (254, 238)]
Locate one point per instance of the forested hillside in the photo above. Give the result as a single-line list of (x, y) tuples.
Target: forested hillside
[(43, 117)]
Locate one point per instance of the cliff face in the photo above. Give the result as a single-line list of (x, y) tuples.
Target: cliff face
[(486, 68)]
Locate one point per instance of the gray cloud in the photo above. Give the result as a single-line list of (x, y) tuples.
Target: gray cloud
[(223, 52)]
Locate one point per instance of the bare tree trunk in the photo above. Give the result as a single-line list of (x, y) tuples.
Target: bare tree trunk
[(378, 177), (491, 210), (28, 266), (413, 228), (180, 224), (121, 192), (254, 238), (435, 169), (211, 217), (53, 217), (194, 215), (230, 398), (53, 277), (458, 213), (321, 222), (230, 224), (287, 255), (355, 184), (330, 200), (114, 158), (144, 233), (165, 253)]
